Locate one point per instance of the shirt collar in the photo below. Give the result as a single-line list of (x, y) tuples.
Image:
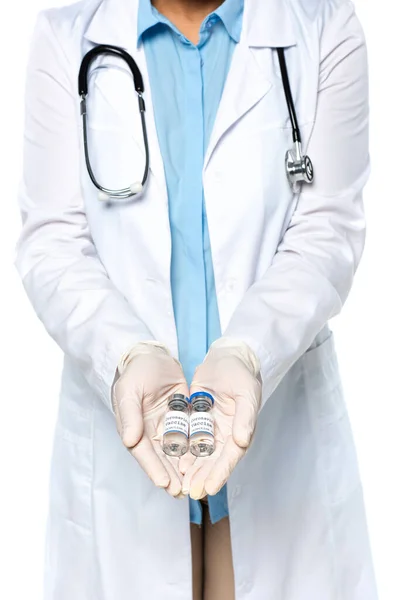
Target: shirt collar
[(230, 12), (147, 18)]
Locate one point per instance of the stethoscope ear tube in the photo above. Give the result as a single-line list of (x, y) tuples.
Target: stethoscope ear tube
[(114, 51)]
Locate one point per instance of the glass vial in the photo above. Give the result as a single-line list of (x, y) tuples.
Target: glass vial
[(176, 426), (201, 424)]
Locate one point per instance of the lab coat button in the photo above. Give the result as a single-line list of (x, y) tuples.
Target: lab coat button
[(246, 587), (230, 285), (237, 490)]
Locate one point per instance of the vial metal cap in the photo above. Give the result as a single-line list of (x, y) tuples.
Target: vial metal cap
[(201, 395), (178, 402), (178, 397)]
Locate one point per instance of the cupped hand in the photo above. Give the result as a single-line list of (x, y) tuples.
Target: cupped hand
[(230, 373), (148, 375)]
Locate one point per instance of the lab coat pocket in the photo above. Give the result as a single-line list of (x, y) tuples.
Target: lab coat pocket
[(336, 455), (71, 477), (322, 380)]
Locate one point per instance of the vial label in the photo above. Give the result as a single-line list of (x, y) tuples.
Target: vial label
[(201, 422), (176, 421)]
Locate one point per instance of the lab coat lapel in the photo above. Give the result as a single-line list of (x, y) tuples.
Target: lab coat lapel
[(246, 85), (156, 161), (115, 23), (266, 24)]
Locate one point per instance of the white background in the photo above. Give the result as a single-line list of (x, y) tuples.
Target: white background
[(367, 332)]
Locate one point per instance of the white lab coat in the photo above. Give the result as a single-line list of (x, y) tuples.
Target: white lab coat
[(99, 280)]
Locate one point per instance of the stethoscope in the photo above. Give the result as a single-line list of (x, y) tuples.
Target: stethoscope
[(298, 166)]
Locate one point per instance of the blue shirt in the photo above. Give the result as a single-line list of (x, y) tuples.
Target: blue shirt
[(187, 82)]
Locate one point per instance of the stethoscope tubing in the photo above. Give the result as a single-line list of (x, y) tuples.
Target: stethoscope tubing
[(83, 84), (298, 167), (104, 49), (296, 135)]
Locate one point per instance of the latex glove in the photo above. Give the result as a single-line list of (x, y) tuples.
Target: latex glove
[(231, 373), (147, 375)]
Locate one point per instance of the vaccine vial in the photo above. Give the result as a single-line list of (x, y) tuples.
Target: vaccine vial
[(176, 426), (201, 424)]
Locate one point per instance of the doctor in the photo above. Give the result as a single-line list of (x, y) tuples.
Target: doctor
[(218, 276)]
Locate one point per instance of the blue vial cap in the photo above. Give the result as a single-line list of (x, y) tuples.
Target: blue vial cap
[(197, 394)]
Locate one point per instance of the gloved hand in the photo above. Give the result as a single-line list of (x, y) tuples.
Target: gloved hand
[(231, 373), (147, 375)]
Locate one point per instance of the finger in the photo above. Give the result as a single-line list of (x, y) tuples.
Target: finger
[(171, 374), (223, 466), (197, 387), (196, 475), (185, 462), (180, 496), (147, 458), (245, 419), (182, 388), (171, 465), (187, 478), (199, 477)]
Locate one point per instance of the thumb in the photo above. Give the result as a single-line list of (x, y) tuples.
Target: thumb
[(245, 419), (181, 388), (129, 416), (196, 386)]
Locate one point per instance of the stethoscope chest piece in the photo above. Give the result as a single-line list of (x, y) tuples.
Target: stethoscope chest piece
[(299, 167)]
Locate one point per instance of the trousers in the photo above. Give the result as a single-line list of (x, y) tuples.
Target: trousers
[(212, 565)]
